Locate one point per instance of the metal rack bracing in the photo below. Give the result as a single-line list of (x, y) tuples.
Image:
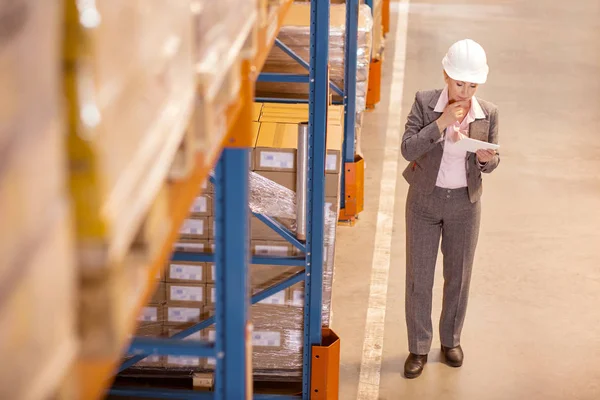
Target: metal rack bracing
[(232, 257)]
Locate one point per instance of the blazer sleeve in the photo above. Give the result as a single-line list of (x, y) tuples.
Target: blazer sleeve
[(493, 138), (418, 139)]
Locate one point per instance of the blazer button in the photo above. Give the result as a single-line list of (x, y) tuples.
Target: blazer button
[(431, 140)]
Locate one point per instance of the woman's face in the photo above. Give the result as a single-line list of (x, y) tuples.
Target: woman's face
[(458, 90)]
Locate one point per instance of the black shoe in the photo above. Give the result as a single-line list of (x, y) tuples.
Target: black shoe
[(453, 355), (413, 367)]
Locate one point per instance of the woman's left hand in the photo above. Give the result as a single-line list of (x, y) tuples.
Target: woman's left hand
[(485, 155)]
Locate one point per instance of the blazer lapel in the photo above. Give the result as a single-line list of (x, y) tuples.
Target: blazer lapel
[(431, 115)]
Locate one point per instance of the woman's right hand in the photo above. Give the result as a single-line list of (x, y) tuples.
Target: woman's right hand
[(452, 113)]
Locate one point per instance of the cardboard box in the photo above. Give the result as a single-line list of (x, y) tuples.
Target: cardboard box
[(332, 185), (211, 295), (211, 273), (160, 275), (202, 207), (186, 272), (335, 140), (295, 295), (38, 315), (160, 294), (276, 147), (255, 133), (186, 294), (288, 180), (277, 337), (192, 245), (184, 361), (256, 111), (264, 276), (278, 299), (298, 113), (211, 227), (277, 144), (152, 314), (176, 314), (272, 248), (194, 228), (154, 330), (260, 231), (285, 179)]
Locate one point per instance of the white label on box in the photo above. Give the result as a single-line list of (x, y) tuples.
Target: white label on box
[(183, 314), (212, 335), (200, 205), (187, 361), (149, 314), (277, 299), (194, 247), (268, 250), (211, 361), (266, 339), (213, 295), (186, 272), (192, 227), (331, 162), (187, 293), (272, 159), (298, 298), (213, 272)]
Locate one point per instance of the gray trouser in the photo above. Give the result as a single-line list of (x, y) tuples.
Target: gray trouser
[(449, 214)]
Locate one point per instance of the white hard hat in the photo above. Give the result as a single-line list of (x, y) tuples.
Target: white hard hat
[(466, 61)]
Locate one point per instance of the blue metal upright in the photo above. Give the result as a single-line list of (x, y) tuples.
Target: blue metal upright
[(232, 258), (351, 50), (315, 196)]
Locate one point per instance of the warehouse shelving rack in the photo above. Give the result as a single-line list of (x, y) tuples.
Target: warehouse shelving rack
[(352, 193), (231, 256)]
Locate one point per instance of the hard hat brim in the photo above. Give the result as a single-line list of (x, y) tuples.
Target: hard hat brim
[(479, 77)]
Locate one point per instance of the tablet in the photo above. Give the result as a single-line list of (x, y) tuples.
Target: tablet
[(473, 145)]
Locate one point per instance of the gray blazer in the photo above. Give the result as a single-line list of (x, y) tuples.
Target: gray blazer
[(420, 144)]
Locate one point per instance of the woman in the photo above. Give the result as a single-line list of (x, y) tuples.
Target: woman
[(443, 199)]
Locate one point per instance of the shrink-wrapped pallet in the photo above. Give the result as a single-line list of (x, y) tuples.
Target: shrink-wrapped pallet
[(130, 85), (296, 35), (278, 320), (32, 156)]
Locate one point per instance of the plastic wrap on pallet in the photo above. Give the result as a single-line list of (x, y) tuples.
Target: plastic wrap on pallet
[(270, 198), (217, 29), (219, 37), (278, 320), (296, 35)]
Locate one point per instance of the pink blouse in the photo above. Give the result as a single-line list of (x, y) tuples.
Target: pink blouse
[(453, 173)]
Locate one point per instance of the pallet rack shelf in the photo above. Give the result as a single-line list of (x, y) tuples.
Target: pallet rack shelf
[(94, 375), (231, 256)]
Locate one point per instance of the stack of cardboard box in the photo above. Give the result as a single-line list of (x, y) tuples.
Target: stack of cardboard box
[(188, 289), (38, 276)]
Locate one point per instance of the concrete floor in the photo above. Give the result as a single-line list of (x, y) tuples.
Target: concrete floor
[(533, 325)]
